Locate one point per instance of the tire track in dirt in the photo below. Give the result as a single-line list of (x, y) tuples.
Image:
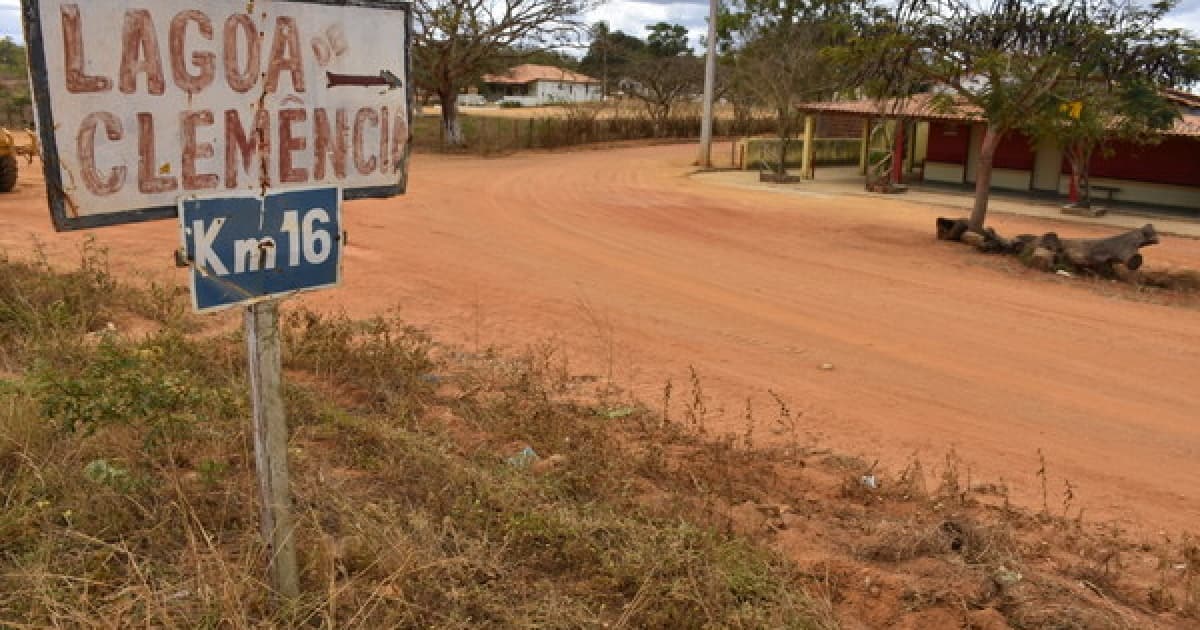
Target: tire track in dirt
[(935, 347)]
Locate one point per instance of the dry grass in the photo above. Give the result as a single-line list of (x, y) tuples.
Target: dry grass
[(129, 498), (504, 131), (436, 488)]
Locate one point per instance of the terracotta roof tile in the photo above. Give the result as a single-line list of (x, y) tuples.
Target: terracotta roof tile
[(1188, 125), (528, 73), (1179, 97), (923, 107)]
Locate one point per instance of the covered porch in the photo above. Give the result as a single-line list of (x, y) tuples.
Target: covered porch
[(957, 199)]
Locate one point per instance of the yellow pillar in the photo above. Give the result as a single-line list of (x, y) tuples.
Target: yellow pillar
[(865, 149), (806, 163)]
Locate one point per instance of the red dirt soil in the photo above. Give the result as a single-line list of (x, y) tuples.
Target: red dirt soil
[(630, 266)]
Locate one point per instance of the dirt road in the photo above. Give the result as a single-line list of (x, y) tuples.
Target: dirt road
[(626, 263)]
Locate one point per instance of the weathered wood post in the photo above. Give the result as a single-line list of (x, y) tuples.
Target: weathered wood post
[(806, 159), (270, 445), (248, 242)]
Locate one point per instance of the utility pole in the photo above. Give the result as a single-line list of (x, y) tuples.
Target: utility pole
[(710, 80)]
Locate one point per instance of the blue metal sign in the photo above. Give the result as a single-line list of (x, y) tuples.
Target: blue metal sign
[(245, 249)]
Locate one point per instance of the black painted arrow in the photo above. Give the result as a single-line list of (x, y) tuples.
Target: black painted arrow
[(384, 79)]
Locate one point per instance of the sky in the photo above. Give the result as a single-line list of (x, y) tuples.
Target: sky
[(632, 16)]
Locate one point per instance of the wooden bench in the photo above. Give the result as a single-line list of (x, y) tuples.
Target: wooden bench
[(1108, 191)]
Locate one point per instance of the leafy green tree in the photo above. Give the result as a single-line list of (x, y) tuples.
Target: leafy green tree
[(14, 85), (1010, 58), (610, 54), (1088, 115), (667, 40), (784, 51), (882, 59), (12, 59)]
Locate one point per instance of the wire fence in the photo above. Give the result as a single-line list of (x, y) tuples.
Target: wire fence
[(491, 135)]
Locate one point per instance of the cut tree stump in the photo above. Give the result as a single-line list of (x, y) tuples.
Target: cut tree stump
[(951, 229)]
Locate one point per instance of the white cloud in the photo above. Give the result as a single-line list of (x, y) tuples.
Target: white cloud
[(633, 16)]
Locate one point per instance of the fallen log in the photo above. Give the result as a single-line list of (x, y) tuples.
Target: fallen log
[(987, 241), (1049, 252), (1041, 252), (951, 229), (1100, 254)]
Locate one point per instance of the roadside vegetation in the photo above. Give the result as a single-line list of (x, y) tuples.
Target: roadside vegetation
[(15, 100), (497, 133), (129, 494), (442, 488)]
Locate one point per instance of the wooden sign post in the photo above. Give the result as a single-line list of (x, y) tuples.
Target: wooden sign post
[(270, 445), (250, 122)]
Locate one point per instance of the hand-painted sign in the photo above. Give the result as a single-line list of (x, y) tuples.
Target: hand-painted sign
[(249, 248), (143, 102)]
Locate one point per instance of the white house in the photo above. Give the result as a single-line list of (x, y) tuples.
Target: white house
[(532, 85)]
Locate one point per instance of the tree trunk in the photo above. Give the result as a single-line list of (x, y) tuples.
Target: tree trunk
[(1085, 177), (1101, 253), (898, 154), (604, 64), (983, 178), (1050, 251), (452, 134), (1080, 192)]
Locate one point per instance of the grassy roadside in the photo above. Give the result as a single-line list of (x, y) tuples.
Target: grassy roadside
[(437, 488), (129, 498)]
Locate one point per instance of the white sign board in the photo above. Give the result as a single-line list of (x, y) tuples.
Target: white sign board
[(143, 102)]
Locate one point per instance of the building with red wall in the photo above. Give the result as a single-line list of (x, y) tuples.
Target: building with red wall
[(946, 149)]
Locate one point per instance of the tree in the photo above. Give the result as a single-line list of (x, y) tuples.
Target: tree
[(667, 40), (1009, 58), (664, 72), (783, 51), (610, 53), (882, 58), (12, 59), (458, 41), (662, 82), (601, 44), (1088, 115)]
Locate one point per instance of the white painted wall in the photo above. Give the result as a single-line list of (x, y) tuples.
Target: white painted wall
[(976, 147), (1010, 179), (1140, 192), (525, 101), (1047, 166), (562, 91), (943, 172)]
